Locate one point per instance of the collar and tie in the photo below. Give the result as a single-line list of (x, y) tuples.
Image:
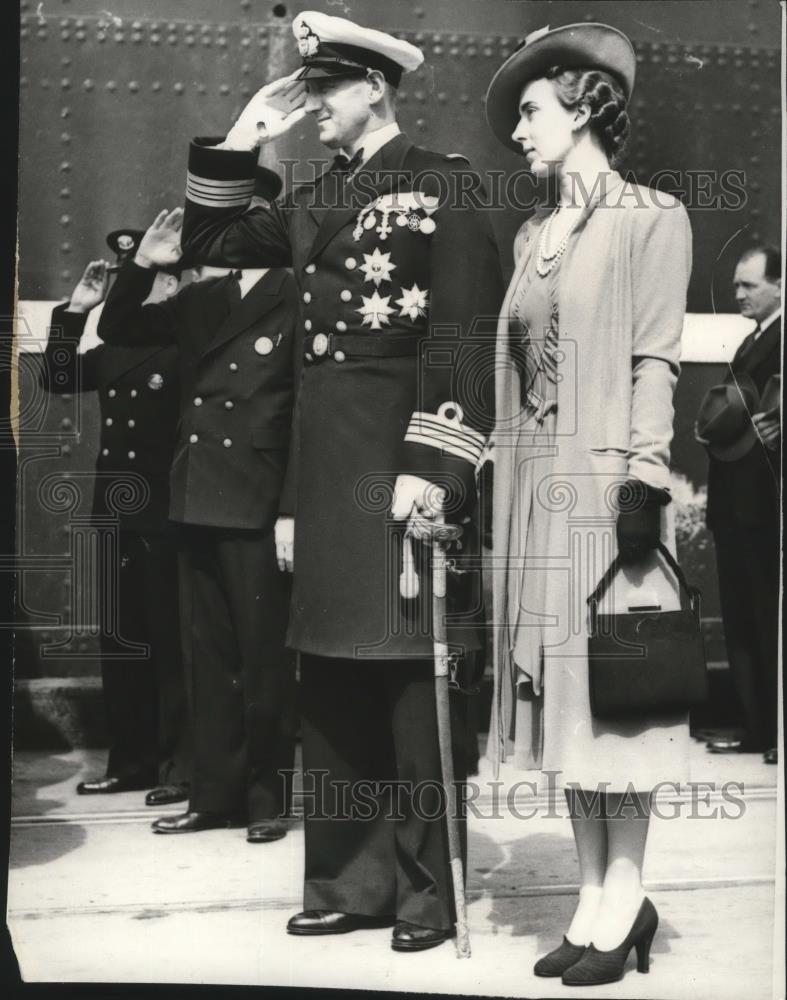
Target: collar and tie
[(233, 288), (345, 165)]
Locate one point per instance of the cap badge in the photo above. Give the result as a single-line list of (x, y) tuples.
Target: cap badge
[(125, 242), (308, 42), (155, 381)]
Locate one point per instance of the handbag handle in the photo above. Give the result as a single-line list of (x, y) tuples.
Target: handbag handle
[(603, 584)]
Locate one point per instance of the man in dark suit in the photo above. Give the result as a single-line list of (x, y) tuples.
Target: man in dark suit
[(235, 338), (392, 275), (743, 513), (138, 394)]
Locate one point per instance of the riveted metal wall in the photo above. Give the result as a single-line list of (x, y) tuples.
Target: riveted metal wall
[(111, 93)]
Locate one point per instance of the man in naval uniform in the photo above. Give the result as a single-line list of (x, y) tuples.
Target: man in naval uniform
[(138, 392), (235, 337), (392, 276)]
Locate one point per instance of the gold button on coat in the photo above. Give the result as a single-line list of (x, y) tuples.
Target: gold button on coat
[(320, 344), (263, 345)]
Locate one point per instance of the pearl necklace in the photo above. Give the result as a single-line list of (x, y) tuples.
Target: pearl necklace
[(545, 262)]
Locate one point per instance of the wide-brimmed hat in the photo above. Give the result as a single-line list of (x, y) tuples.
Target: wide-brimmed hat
[(597, 46), (724, 419)]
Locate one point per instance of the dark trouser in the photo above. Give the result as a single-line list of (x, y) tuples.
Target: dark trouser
[(748, 564), (145, 699), (375, 721), (240, 677)]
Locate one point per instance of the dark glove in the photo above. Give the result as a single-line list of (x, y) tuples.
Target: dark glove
[(639, 519)]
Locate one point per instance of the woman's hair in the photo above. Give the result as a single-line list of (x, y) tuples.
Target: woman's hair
[(604, 97)]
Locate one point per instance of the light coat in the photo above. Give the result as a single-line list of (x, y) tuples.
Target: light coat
[(622, 298)]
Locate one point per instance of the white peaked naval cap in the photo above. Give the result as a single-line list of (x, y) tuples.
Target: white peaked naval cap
[(334, 46)]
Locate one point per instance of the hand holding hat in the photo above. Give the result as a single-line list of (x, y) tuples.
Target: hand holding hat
[(271, 112), (160, 246), (768, 427)]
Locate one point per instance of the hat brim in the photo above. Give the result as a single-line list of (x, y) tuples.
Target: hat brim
[(737, 449), (326, 71), (596, 46)]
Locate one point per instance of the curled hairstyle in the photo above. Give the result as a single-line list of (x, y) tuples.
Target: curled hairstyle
[(604, 97)]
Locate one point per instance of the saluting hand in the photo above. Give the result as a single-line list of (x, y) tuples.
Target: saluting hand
[(160, 246), (272, 111), (92, 288)]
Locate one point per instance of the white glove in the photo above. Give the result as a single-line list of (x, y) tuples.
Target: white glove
[(271, 112), (418, 501), (284, 534)]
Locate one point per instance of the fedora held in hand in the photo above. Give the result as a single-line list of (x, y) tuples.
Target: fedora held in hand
[(724, 422), (639, 519), (646, 661)]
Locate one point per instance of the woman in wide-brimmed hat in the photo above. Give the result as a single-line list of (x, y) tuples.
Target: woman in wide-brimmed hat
[(588, 347)]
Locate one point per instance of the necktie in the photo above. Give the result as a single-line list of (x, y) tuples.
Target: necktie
[(233, 288), (345, 166)]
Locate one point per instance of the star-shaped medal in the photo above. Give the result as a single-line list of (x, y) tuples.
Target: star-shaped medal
[(414, 302), (375, 311), (377, 266)]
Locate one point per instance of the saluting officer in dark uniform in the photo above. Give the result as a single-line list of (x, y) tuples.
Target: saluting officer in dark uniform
[(138, 393), (391, 275), (235, 336)]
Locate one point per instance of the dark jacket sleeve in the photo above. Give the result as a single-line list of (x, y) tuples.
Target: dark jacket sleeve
[(64, 368), (126, 322), (448, 432), (218, 226)]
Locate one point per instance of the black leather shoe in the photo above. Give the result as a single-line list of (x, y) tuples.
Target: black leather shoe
[(108, 786), (194, 822), (771, 756), (557, 961), (333, 922), (266, 830), (163, 795), (411, 937), (731, 746)]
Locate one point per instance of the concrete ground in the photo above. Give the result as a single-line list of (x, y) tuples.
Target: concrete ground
[(94, 896)]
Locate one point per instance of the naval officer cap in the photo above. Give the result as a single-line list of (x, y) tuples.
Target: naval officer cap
[(334, 46)]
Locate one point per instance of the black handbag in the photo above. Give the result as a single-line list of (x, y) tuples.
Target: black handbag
[(646, 661)]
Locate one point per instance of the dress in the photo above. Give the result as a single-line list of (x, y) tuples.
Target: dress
[(561, 456)]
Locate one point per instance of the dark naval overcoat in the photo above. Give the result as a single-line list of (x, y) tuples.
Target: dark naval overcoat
[(399, 288)]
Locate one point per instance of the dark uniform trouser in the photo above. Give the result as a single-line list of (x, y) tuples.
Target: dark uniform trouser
[(748, 563), (145, 699), (240, 677), (375, 721)]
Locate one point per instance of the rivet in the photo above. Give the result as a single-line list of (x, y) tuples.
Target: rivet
[(65, 138), (101, 37), (437, 50), (155, 86), (65, 192), (65, 220), (224, 89), (65, 248), (65, 83), (201, 88), (155, 39), (111, 85), (22, 81), (65, 61), (65, 35), (45, 83), (244, 42), (65, 275), (189, 40), (222, 43), (437, 39), (120, 37), (178, 88), (419, 12), (136, 26), (172, 39), (23, 33), (464, 99), (136, 38), (489, 52), (419, 95), (505, 53), (133, 86), (41, 33), (471, 51), (65, 112), (420, 123)]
